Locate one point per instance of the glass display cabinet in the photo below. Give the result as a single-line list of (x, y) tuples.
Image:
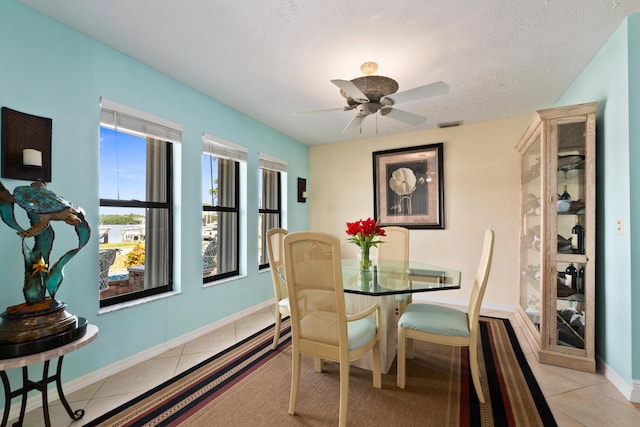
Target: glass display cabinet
[(557, 235)]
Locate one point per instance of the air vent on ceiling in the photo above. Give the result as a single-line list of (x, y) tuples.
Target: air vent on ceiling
[(450, 124)]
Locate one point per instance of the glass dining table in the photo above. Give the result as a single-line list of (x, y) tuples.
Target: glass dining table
[(397, 277), (390, 283)]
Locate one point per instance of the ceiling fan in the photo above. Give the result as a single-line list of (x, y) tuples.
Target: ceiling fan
[(369, 94)]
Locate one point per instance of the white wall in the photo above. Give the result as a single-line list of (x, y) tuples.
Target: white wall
[(481, 179)]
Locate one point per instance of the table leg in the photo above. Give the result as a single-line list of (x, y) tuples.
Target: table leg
[(74, 415), (28, 385), (24, 391), (7, 398)]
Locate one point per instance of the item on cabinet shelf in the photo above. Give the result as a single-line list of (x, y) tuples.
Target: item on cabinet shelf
[(577, 303), (562, 290), (577, 206), (564, 205), (564, 245), (533, 172), (533, 237), (581, 280), (532, 272), (533, 303), (532, 205), (566, 163), (565, 195), (567, 334), (571, 277), (533, 309), (577, 237)]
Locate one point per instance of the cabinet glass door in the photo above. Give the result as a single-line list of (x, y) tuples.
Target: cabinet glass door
[(530, 280), (570, 257)]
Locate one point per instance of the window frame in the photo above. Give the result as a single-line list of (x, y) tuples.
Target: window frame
[(168, 205), (236, 210), (127, 120), (277, 211), (214, 146)]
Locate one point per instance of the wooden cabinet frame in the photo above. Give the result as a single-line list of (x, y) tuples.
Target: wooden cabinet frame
[(549, 137)]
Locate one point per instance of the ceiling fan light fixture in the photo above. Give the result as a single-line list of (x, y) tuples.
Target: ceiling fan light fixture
[(368, 68)]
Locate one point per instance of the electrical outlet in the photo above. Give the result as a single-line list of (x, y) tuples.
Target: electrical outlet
[(619, 226)]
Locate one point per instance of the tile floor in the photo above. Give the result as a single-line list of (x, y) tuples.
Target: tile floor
[(576, 398)]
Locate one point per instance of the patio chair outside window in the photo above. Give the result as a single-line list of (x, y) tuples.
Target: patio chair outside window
[(106, 259)]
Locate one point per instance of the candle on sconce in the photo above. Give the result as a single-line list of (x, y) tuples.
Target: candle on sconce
[(31, 157)]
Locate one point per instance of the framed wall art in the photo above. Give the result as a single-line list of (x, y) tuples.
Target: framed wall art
[(408, 186)]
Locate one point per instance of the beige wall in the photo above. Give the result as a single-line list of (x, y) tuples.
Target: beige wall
[(481, 181)]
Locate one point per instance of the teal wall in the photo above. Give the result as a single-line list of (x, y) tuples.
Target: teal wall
[(49, 70), (634, 153), (611, 78)]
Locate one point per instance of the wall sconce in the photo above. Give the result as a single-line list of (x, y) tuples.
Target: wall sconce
[(302, 190), (26, 146)]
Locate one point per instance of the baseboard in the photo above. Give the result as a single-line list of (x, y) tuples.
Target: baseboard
[(35, 401), (634, 396), (630, 392)]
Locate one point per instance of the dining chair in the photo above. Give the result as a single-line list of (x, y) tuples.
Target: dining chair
[(319, 323), (396, 248), (448, 326), (276, 265)]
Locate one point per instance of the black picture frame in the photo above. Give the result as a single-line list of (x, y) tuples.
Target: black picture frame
[(408, 187)]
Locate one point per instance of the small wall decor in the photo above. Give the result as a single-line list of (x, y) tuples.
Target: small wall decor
[(26, 146), (302, 190), (408, 187)]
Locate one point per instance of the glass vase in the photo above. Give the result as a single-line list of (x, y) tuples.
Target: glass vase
[(365, 280), (364, 258)]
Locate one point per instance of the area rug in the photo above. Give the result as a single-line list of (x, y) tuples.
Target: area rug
[(248, 385)]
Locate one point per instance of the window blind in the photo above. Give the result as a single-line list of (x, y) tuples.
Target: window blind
[(216, 147), (127, 119), (268, 162)]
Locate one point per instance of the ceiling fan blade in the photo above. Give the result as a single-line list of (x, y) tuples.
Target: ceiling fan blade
[(326, 110), (403, 116), (353, 124), (351, 90), (420, 92)]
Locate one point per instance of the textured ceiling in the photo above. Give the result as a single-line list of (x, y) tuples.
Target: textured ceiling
[(270, 59)]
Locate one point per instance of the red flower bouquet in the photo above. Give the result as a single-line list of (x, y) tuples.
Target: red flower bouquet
[(365, 234)]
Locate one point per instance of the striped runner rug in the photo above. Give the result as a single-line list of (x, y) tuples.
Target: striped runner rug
[(248, 385)]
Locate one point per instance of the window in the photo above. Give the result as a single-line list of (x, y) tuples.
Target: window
[(270, 204), (136, 203), (220, 208)]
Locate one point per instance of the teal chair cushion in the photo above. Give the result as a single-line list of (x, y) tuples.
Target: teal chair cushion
[(360, 332), (435, 319), (284, 303)]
